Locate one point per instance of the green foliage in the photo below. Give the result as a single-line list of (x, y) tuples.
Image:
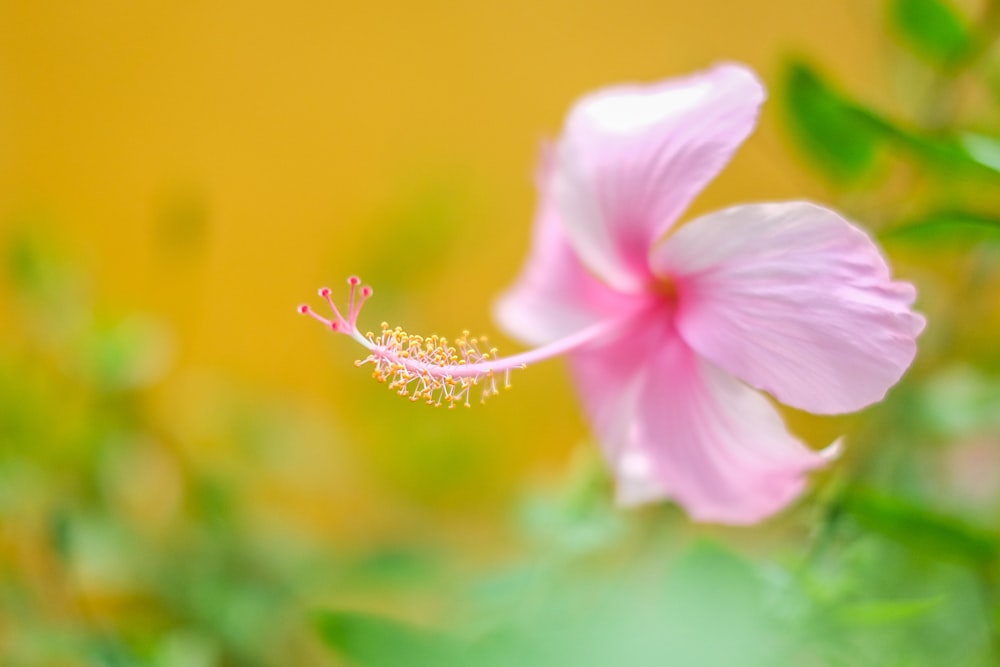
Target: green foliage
[(840, 135), (884, 612), (843, 136), (829, 128), (923, 530), (961, 401), (866, 600), (131, 353), (127, 554), (933, 29), (373, 641), (981, 148), (942, 227), (942, 152), (642, 615), (710, 587)]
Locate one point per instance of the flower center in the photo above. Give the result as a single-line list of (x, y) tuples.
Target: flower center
[(666, 288)]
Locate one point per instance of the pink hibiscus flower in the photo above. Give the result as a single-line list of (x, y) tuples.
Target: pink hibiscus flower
[(669, 334)]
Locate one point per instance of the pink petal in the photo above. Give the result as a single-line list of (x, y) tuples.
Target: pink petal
[(674, 425), (794, 300), (555, 295), (609, 379), (632, 158), (718, 446)]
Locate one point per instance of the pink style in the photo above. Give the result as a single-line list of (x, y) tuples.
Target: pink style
[(670, 333)]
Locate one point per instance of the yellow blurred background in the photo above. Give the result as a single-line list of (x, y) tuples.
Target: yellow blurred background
[(209, 165)]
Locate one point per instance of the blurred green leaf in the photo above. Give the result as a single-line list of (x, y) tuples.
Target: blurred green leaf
[(939, 226), (637, 613), (185, 648), (711, 578), (931, 149), (133, 353), (104, 651), (961, 400), (947, 152), (25, 263), (921, 529), (398, 565), (887, 611), (711, 587), (933, 29), (981, 148), (842, 135), (42, 280), (827, 126), (581, 518), (60, 526), (372, 641)]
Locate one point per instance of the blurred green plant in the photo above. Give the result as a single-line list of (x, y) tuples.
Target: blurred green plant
[(933, 29), (117, 549)]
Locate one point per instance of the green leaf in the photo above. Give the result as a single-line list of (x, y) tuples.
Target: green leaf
[(922, 530), (968, 151), (132, 353), (710, 587), (641, 616), (933, 29), (395, 565), (826, 125), (842, 136), (941, 226), (887, 611), (961, 400), (930, 149), (373, 641), (982, 149)]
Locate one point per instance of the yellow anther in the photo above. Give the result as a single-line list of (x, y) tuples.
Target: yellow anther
[(421, 367)]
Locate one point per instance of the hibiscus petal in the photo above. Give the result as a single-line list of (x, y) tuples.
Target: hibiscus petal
[(719, 447), (794, 300), (555, 295), (609, 378), (632, 158)]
